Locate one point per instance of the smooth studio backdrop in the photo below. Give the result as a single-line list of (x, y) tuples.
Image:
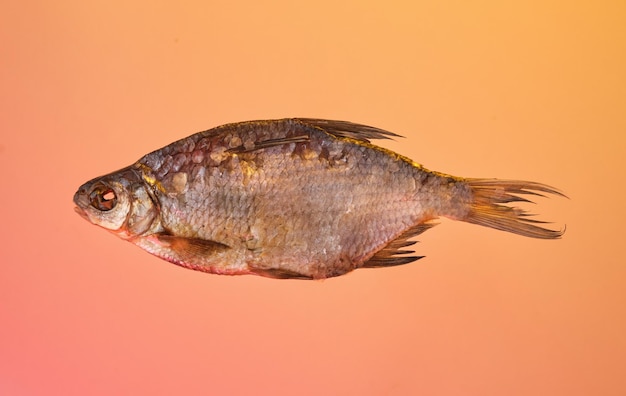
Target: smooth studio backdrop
[(531, 90)]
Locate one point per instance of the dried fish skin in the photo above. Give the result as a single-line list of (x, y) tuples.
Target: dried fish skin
[(292, 198)]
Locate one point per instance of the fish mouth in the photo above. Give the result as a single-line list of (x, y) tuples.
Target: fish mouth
[(80, 201), (81, 212)]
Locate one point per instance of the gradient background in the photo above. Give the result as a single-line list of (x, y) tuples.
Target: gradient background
[(535, 90)]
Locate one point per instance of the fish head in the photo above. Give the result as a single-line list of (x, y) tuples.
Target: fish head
[(120, 202)]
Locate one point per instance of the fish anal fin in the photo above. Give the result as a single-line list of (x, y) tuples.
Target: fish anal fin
[(393, 253), (348, 129), (376, 262)]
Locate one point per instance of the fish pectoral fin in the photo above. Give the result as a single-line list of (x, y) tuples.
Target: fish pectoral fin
[(263, 144), (393, 254), (347, 129), (189, 249)]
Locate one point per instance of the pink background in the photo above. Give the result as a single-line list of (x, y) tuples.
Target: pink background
[(535, 90)]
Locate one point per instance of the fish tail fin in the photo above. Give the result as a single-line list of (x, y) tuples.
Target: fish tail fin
[(487, 207)]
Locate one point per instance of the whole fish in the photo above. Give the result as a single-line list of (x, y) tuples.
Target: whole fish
[(292, 198)]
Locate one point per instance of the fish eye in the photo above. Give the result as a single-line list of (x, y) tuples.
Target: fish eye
[(103, 198)]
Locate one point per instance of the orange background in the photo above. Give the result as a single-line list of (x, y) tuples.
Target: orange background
[(533, 90)]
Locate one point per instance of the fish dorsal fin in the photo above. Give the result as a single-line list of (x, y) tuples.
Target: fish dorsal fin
[(340, 129), (269, 143), (393, 254), (347, 129)]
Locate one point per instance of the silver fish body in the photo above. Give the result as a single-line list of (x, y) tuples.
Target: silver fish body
[(291, 198)]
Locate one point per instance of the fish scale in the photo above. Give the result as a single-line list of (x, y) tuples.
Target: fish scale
[(291, 198), (302, 209)]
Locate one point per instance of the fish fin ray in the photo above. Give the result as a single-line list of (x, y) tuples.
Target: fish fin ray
[(187, 250), (390, 261), (486, 209), (393, 253), (346, 129), (278, 273), (269, 143)]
